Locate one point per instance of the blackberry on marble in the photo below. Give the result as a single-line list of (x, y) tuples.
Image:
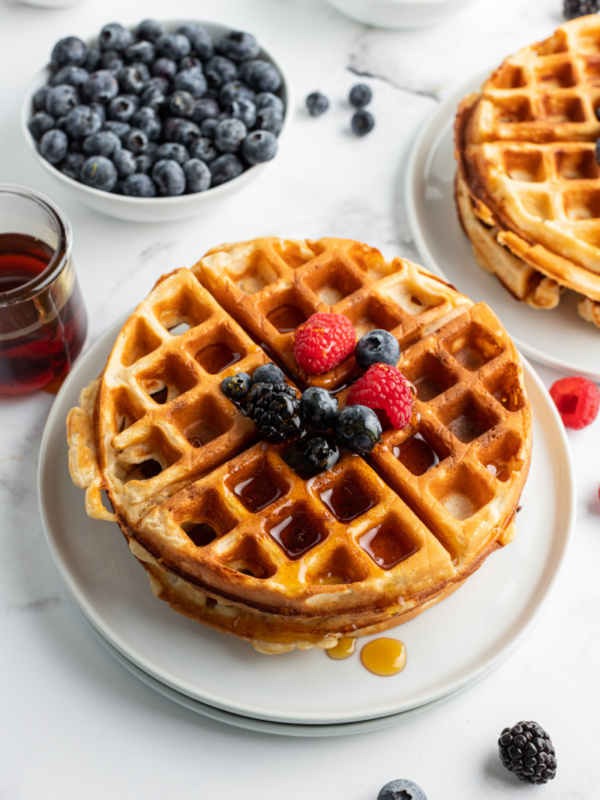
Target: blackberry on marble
[(527, 750)]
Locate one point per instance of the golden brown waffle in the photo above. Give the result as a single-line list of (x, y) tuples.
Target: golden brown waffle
[(525, 146), (228, 532)]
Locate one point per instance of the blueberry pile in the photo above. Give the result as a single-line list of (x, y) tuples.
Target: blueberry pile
[(362, 121), (154, 113)]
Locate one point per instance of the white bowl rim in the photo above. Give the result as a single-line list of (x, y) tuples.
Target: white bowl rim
[(177, 200)]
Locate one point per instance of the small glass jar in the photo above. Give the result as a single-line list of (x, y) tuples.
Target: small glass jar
[(43, 321)]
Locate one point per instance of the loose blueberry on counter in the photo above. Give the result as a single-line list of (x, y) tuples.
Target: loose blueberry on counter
[(401, 790), (360, 95), (362, 122), (377, 347), (259, 146), (318, 408), (357, 429), (236, 386), (317, 104), (268, 373)]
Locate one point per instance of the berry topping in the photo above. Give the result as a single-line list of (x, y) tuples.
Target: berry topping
[(321, 453), (362, 122), (275, 409), (360, 95), (579, 8), (357, 429), (527, 750), (317, 104), (318, 408), (377, 347), (236, 386), (268, 373), (577, 400), (401, 790), (323, 342), (384, 388)]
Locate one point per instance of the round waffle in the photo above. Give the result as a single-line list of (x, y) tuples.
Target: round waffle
[(528, 178), (227, 530)]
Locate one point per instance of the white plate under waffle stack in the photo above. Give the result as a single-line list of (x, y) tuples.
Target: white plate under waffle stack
[(306, 693)]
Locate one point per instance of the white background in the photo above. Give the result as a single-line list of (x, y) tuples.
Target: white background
[(73, 722)]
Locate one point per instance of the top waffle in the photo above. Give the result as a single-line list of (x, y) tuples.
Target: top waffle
[(227, 530), (526, 150)]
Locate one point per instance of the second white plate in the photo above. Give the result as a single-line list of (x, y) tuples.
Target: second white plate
[(558, 338), (449, 646)]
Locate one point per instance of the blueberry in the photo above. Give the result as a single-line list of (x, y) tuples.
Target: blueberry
[(268, 373), (139, 185), (135, 140), (229, 135), (111, 60), (61, 99), (99, 173), (70, 51), (100, 109), (242, 109), (205, 108), (260, 75), (143, 162), (225, 168), (141, 51), (71, 165), (219, 70), (131, 80), (200, 40), (237, 45), (377, 347), (318, 408), (190, 62), (123, 107), (208, 127), (317, 104), (173, 151), (357, 429), (92, 59), (72, 76), (259, 146), (40, 123), (362, 122), (115, 37), (197, 176), (100, 87), (180, 104), (39, 98), (235, 90), (149, 29), (152, 97), (269, 119), (170, 127), (236, 386), (164, 68), (191, 80), (82, 121), (148, 121), (120, 128), (203, 149), (401, 790), (321, 453), (269, 100), (187, 133), (168, 177), (360, 95), (124, 161), (173, 45), (102, 143), (54, 145)]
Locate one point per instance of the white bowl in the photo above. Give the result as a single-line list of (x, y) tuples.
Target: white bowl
[(155, 209), (399, 13)]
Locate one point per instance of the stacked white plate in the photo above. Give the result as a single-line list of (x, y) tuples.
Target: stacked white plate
[(306, 693)]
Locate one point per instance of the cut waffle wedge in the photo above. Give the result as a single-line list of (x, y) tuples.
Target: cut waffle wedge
[(228, 532), (528, 182)]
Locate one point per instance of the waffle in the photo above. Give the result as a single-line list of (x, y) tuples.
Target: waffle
[(228, 532), (528, 181)]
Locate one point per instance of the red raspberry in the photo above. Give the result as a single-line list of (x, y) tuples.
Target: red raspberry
[(577, 400), (384, 388), (323, 342)]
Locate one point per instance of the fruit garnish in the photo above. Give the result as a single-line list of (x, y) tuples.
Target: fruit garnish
[(318, 408), (384, 388), (527, 750), (577, 400), (275, 410), (357, 429), (377, 347), (323, 342)]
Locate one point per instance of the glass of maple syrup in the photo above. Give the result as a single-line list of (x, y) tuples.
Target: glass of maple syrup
[(43, 322)]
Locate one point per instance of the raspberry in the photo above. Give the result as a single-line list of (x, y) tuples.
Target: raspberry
[(384, 388), (577, 400), (323, 342)]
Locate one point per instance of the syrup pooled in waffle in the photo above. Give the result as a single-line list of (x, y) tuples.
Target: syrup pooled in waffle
[(526, 151), (229, 533)]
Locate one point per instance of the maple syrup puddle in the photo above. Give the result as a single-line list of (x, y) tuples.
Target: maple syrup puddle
[(217, 357), (344, 648), (416, 454), (347, 501), (386, 546), (286, 318), (384, 656), (257, 492), (295, 535)]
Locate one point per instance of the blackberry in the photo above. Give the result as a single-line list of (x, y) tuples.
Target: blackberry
[(377, 347), (275, 410), (527, 750), (357, 429), (360, 95), (579, 8), (401, 790), (268, 373), (236, 386), (317, 104), (318, 408), (362, 122)]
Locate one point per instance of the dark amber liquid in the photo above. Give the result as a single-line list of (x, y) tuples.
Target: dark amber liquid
[(257, 492), (286, 318), (347, 501), (42, 355), (217, 357)]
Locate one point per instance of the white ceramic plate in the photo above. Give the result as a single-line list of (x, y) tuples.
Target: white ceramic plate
[(558, 338), (448, 646)]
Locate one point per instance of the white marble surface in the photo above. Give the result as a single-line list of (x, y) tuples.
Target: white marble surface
[(73, 722)]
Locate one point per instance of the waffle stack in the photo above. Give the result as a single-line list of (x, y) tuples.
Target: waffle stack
[(228, 532), (528, 181)]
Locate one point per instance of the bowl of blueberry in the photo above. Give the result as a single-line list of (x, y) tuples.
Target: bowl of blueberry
[(157, 121)]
